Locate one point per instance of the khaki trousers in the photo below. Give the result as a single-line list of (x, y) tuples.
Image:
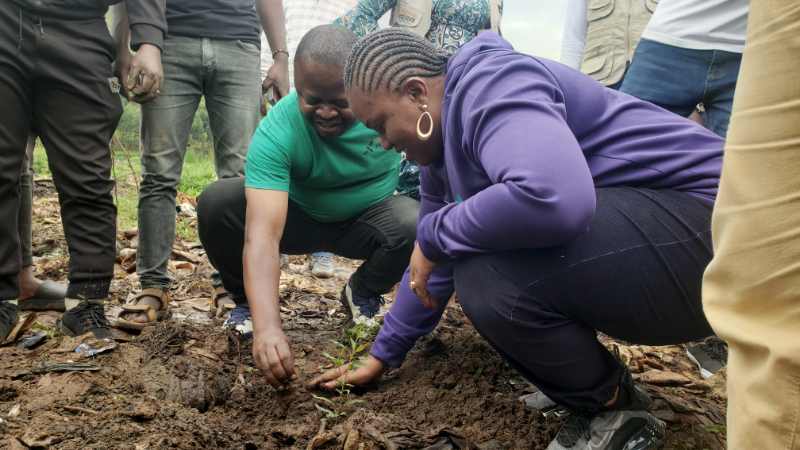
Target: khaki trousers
[(752, 287)]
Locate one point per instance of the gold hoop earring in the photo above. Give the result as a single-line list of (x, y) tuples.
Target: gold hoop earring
[(424, 136)]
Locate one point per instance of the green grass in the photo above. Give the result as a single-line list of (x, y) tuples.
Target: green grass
[(198, 168)]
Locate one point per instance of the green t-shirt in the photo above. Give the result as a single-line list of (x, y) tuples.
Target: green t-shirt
[(331, 179)]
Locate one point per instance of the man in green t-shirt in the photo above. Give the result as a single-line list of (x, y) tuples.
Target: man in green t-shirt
[(316, 179)]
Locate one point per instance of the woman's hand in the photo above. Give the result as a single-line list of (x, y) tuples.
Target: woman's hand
[(420, 271), (369, 369)]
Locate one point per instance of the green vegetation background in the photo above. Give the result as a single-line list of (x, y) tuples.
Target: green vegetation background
[(198, 167)]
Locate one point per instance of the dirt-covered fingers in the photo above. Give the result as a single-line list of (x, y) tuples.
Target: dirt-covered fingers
[(328, 376), (281, 362)]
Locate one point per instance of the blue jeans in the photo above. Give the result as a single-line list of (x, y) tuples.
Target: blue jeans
[(227, 73), (677, 79)]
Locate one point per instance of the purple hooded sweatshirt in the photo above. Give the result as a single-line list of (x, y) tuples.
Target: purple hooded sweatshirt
[(526, 143)]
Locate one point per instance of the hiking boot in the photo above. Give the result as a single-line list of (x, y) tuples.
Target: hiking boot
[(710, 355), (361, 309), (610, 430), (240, 320), (322, 265), (87, 316), (8, 318)]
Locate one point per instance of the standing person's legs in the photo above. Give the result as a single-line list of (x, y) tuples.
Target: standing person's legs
[(35, 293), (27, 281), (751, 286), (671, 77), (76, 112), (634, 275), (15, 96), (720, 88), (233, 98), (166, 124)]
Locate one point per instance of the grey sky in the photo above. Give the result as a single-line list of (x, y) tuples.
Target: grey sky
[(534, 26)]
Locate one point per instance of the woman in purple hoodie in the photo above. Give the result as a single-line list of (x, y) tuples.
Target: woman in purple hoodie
[(555, 207)]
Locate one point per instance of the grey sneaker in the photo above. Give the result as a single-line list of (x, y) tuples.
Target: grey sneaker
[(322, 265), (610, 430), (8, 318), (710, 355), (361, 309)]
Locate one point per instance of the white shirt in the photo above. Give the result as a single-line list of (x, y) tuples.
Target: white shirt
[(700, 24), (573, 39), (301, 16)]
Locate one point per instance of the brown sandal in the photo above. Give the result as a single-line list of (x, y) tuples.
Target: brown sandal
[(221, 302), (153, 315)]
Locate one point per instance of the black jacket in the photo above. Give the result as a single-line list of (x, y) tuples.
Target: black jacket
[(147, 18)]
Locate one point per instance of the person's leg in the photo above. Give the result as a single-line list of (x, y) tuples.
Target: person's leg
[(15, 96), (221, 210), (750, 292), (165, 127), (383, 235), (27, 282), (233, 96), (634, 275), (75, 114), (670, 77), (721, 86), (233, 99), (33, 293)]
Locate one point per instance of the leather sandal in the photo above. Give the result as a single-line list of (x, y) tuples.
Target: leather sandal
[(154, 315)]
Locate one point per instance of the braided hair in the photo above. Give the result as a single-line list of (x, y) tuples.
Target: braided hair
[(386, 58)]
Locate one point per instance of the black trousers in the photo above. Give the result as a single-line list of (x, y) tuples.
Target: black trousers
[(383, 235), (55, 81), (635, 275)]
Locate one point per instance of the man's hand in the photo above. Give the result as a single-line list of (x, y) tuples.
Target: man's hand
[(369, 369), (273, 356), (122, 67), (420, 271), (143, 81), (277, 79)]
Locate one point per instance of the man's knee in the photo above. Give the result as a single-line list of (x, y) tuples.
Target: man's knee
[(215, 200)]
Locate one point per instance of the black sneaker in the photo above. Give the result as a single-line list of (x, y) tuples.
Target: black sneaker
[(8, 319), (610, 430), (86, 316), (710, 355), (361, 309)]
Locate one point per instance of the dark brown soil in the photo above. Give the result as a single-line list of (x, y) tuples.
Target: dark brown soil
[(187, 384)]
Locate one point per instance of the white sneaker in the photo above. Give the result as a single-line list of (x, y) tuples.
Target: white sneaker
[(322, 265)]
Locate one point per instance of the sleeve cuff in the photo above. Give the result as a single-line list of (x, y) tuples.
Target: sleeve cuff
[(387, 354), (426, 241), (143, 33)]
